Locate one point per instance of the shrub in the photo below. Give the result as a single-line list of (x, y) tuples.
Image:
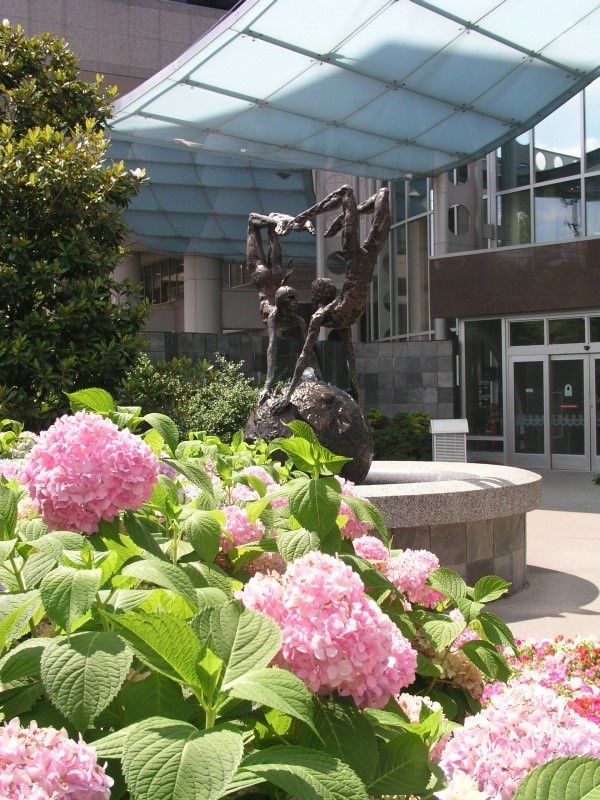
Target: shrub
[(61, 234), (406, 437), (197, 396), (222, 406)]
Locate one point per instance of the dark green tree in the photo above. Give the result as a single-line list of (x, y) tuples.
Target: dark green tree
[(65, 324)]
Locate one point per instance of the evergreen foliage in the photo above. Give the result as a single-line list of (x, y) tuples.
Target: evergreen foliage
[(64, 322)]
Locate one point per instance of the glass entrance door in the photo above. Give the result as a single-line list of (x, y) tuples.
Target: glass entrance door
[(528, 429), (570, 435), (555, 412)]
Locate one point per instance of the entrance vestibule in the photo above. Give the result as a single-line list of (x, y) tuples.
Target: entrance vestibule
[(554, 411)]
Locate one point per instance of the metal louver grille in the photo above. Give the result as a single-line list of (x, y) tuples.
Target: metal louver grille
[(449, 447)]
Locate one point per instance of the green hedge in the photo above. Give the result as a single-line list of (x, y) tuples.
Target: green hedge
[(405, 437)]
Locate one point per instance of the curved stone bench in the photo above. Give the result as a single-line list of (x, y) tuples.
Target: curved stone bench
[(472, 516)]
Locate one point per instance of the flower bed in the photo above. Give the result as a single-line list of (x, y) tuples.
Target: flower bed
[(186, 620)]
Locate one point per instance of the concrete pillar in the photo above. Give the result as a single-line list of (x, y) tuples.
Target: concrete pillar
[(129, 267), (202, 286), (441, 328)]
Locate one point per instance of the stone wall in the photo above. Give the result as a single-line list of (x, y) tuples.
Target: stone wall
[(394, 376)]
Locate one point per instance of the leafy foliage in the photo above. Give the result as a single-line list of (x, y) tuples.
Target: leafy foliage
[(64, 323), (406, 437), (147, 652)]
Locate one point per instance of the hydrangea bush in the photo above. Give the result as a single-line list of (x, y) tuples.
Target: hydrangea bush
[(192, 620)]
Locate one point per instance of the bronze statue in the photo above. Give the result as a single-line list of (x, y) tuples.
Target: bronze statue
[(278, 302), (343, 310)]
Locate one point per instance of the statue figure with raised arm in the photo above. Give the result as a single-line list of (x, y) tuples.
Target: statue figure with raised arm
[(360, 260), (278, 302)]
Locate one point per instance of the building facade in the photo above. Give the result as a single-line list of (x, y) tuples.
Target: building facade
[(501, 258)]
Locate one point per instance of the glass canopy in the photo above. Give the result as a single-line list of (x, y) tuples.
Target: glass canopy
[(384, 89)]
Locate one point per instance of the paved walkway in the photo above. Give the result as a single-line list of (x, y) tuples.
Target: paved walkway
[(563, 557)]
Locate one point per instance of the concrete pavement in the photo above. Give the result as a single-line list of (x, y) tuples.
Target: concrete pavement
[(562, 595)]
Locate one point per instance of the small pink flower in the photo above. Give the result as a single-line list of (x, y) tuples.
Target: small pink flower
[(408, 572), (44, 764), (353, 527), (371, 548), (84, 469)]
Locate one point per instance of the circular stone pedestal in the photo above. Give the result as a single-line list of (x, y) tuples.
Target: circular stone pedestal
[(333, 415), (472, 516)]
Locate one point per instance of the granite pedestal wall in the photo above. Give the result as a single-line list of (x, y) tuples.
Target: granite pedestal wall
[(472, 516), (395, 377)]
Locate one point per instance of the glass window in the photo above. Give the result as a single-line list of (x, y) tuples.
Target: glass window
[(417, 197), (400, 201), (594, 329), (458, 220), (558, 211), (483, 371), (557, 140), (459, 175), (592, 206), (383, 291), (529, 431), (570, 330), (526, 333), (163, 280), (592, 125), (513, 219), (513, 163)]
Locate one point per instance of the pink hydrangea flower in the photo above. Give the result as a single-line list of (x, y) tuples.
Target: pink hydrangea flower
[(11, 468), (335, 638), (468, 635), (408, 572), (522, 727), (353, 527), (239, 529), (44, 764), (84, 469), (371, 548)]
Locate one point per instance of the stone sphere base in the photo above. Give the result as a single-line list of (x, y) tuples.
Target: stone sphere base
[(334, 416)]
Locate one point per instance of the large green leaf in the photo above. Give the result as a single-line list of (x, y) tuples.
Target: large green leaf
[(306, 774), (495, 629), (23, 660), (68, 594), (487, 658), (344, 732), (83, 672), (203, 531), (568, 778), (52, 544), (168, 760), (8, 512), (154, 696), (315, 503), (192, 469), (365, 511), (442, 631), (31, 529), (278, 689), (447, 582), (490, 587), (243, 639), (165, 427), (7, 548), (162, 573), (16, 609), (297, 543), (37, 566), (97, 400), (403, 767), (165, 643)]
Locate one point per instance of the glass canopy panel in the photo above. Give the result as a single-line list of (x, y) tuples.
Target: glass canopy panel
[(322, 92), (301, 24), (249, 74), (399, 114), (271, 125), (536, 27), (464, 132), (196, 106), (586, 30), (465, 68), (414, 159), (346, 143), (402, 41)]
